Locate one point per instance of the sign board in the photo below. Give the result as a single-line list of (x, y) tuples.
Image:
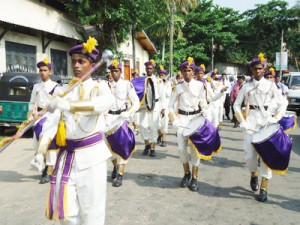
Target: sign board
[(284, 61)]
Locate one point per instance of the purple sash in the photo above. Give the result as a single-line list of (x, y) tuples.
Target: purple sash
[(288, 123), (275, 152), (206, 141), (139, 86), (66, 170), (122, 142)]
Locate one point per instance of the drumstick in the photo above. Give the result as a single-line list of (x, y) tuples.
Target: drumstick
[(184, 127)]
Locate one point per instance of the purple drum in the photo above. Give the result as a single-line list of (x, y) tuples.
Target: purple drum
[(203, 137), (274, 147), (121, 139), (289, 121)]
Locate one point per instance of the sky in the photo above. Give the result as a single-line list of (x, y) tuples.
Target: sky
[(243, 5)]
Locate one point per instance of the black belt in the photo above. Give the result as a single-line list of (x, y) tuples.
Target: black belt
[(188, 113), (156, 100), (257, 107), (118, 112), (39, 109)]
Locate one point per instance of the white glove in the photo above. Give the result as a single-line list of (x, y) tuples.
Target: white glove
[(204, 113), (38, 162), (244, 126), (59, 103), (176, 124), (271, 120), (125, 115)]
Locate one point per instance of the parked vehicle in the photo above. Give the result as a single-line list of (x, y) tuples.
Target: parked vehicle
[(15, 93), (292, 80)]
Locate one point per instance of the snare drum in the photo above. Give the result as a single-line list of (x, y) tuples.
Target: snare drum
[(120, 138), (289, 121), (203, 137), (274, 147)]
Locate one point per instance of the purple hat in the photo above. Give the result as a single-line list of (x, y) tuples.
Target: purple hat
[(162, 70), (136, 72), (260, 60), (200, 68), (150, 62), (270, 71), (213, 72), (115, 65), (88, 49), (189, 63), (44, 63)]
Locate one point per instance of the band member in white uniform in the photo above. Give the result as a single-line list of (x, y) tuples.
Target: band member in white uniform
[(258, 94), (122, 91), (78, 183), (40, 97), (164, 118), (189, 95), (149, 120)]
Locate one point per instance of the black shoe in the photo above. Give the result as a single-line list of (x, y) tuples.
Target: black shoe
[(236, 124), (163, 144), (254, 183), (146, 150), (159, 139), (45, 179), (114, 172), (152, 153), (228, 118), (194, 185), (185, 180), (118, 181), (263, 196)]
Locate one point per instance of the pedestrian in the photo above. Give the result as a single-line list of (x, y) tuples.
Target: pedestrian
[(226, 83), (190, 96), (149, 120), (78, 183), (233, 94), (122, 91), (40, 97), (258, 94), (164, 118)]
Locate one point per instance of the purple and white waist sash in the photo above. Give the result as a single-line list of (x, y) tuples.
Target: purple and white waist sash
[(72, 145)]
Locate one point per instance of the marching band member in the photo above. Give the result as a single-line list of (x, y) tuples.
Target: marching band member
[(40, 96), (122, 91), (234, 93), (189, 95), (258, 93), (136, 116), (149, 120), (164, 119), (226, 103), (77, 192)]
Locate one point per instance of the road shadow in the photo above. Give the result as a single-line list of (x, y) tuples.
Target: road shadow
[(284, 202), (15, 177), (160, 154), (222, 162)]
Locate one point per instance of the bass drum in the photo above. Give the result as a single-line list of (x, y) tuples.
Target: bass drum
[(144, 88)]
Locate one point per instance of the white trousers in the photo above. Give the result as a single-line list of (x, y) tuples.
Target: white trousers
[(149, 124), (251, 158), (86, 194), (184, 155), (164, 122)]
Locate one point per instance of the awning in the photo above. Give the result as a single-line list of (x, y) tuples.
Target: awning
[(146, 42), (32, 14)]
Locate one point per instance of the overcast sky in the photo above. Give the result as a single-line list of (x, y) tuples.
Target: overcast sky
[(243, 5)]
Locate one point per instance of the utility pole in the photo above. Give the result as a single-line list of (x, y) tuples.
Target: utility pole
[(281, 50), (171, 36), (212, 53)]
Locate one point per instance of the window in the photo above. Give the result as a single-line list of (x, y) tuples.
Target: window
[(59, 62), (20, 57)]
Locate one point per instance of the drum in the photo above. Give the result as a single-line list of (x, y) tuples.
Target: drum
[(203, 137), (120, 138), (274, 147), (144, 88), (289, 121)]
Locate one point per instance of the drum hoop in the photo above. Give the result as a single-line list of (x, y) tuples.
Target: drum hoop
[(197, 127), (278, 127), (119, 122), (150, 81)]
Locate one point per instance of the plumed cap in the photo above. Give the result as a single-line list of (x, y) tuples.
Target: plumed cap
[(189, 63), (270, 71), (89, 49), (260, 60), (150, 63), (115, 65), (162, 70), (200, 68), (44, 62)]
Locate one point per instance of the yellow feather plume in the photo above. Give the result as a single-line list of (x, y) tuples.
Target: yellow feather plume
[(46, 61), (272, 70), (161, 67), (261, 57), (90, 45), (202, 66), (152, 61), (115, 63), (215, 70), (136, 71), (190, 60)]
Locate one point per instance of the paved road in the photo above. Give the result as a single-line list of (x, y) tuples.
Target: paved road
[(151, 194)]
